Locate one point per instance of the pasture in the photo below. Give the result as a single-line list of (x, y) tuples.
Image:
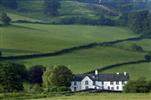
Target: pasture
[(109, 96), (23, 39)]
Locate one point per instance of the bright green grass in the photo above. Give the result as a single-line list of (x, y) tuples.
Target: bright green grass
[(87, 60), (136, 71), (47, 38), (107, 96)]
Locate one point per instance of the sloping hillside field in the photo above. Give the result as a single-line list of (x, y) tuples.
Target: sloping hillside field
[(28, 39)]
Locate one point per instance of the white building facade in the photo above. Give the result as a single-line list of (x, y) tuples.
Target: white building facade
[(104, 82)]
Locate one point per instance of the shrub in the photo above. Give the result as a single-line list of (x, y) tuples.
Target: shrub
[(148, 57), (136, 47)]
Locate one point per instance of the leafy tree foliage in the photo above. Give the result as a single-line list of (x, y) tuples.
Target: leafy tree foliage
[(35, 74), (11, 77), (5, 19), (138, 86), (51, 7), (59, 76), (139, 22), (47, 77)]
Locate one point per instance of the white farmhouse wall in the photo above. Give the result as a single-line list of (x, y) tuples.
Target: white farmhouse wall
[(90, 83)]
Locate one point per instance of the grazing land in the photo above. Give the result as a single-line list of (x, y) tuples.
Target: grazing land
[(102, 97), (47, 38), (23, 39)]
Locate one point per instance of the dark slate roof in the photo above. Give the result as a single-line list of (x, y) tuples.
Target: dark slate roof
[(102, 77)]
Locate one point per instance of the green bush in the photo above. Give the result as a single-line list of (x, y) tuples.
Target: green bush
[(33, 88), (148, 57), (138, 86)]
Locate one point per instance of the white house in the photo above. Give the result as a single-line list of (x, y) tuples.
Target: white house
[(96, 81)]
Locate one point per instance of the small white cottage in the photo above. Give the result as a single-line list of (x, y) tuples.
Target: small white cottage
[(96, 81)]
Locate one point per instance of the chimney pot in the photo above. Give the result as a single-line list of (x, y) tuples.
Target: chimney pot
[(96, 72), (125, 73)]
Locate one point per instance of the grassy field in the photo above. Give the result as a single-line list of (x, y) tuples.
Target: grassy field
[(46, 38), (102, 97), (21, 39), (86, 60)]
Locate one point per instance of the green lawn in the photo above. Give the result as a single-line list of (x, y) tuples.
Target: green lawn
[(107, 96)]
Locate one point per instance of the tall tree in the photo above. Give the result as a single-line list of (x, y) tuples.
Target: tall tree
[(51, 7), (57, 76), (11, 77), (35, 74)]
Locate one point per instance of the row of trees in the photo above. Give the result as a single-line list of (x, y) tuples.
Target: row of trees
[(138, 86), (139, 21), (13, 77)]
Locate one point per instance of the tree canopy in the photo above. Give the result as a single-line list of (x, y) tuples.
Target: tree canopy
[(57, 76), (11, 77), (35, 74)]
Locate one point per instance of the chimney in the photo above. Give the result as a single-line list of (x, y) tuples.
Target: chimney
[(96, 72), (125, 73)]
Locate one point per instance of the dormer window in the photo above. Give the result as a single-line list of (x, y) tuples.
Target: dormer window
[(86, 82)]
